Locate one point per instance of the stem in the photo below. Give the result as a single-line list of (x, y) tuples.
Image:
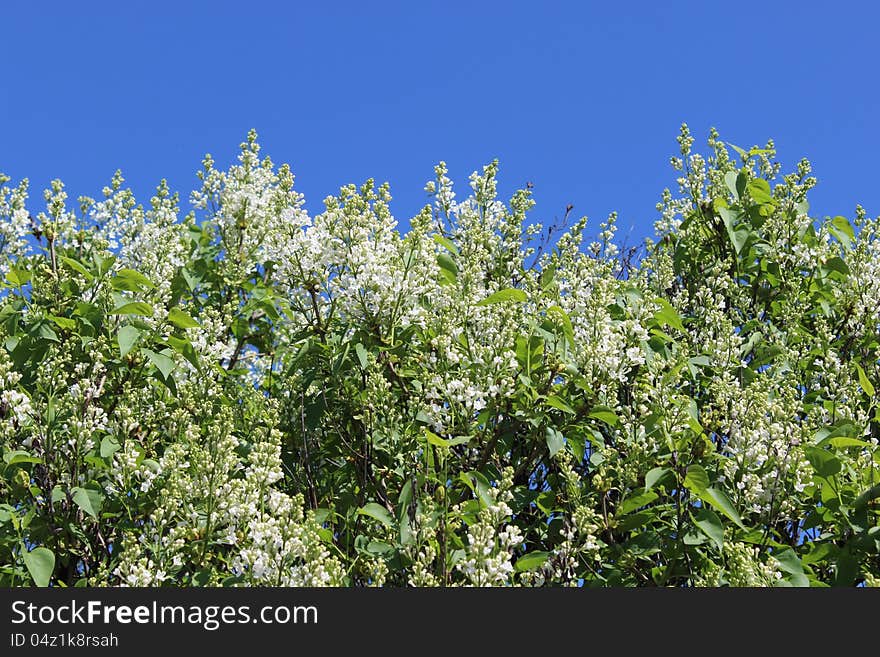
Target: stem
[(320, 327), (52, 258)]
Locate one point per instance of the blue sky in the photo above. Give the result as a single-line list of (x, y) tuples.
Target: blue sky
[(582, 99)]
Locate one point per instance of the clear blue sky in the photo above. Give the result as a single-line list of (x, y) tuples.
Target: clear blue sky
[(583, 99)]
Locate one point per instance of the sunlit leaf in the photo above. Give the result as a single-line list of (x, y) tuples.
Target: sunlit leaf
[(502, 296)]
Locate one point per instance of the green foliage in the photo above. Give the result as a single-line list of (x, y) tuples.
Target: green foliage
[(250, 395)]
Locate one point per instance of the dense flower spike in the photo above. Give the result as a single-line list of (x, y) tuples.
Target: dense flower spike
[(250, 395)]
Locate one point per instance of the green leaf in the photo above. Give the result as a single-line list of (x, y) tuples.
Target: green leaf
[(555, 440), (633, 520), (869, 495), (845, 441), (864, 381), (162, 362), (655, 475), (546, 502), (131, 281), (696, 480), (126, 338), (448, 268), (340, 360), (667, 315), (109, 446), (191, 279), (134, 308), (604, 414), (556, 402), (739, 150), (377, 512), (564, 319), (185, 349), (789, 562), (577, 446), (844, 428), (232, 580), (842, 229), (43, 330), (836, 264), (63, 322), (843, 225), (181, 319), (18, 277), (738, 235), (105, 263), (76, 266), (89, 500), (635, 502), (446, 243), (759, 190), (531, 561), (40, 563), (846, 568), (361, 352), (824, 462), (90, 313), (730, 181), (502, 296), (478, 484), (710, 524), (20, 456), (694, 417), (377, 547), (435, 440), (720, 501)]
